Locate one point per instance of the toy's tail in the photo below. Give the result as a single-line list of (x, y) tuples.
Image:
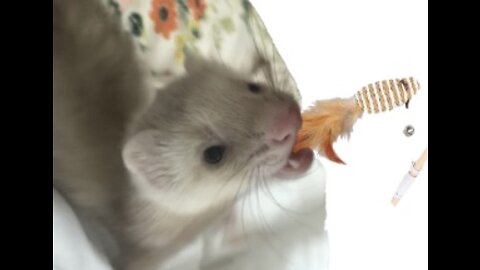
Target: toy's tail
[(324, 122)]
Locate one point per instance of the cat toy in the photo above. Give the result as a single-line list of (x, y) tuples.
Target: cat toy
[(326, 120), (409, 178)]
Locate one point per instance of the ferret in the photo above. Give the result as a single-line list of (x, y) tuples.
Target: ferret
[(149, 170)]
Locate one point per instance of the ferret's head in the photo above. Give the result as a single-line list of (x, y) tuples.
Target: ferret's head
[(210, 135)]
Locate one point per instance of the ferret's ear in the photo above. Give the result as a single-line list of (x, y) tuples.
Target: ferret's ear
[(261, 70), (260, 64), (144, 156)]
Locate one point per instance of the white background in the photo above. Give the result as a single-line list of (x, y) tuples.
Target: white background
[(333, 48)]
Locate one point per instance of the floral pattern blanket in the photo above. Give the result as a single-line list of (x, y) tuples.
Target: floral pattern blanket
[(227, 31)]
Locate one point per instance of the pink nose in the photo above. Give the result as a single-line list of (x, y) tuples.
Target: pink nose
[(285, 125)]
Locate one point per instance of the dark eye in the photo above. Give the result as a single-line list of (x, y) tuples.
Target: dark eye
[(136, 24), (254, 88), (214, 154)]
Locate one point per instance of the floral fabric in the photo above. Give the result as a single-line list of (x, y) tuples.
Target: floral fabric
[(227, 31)]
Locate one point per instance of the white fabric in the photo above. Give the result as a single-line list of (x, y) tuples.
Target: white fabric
[(266, 236), (71, 248)]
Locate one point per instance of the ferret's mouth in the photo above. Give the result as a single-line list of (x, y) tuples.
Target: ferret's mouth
[(297, 164)]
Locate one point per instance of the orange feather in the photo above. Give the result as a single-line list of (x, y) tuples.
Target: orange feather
[(324, 122)]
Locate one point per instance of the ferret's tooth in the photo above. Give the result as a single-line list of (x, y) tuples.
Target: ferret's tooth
[(293, 163)]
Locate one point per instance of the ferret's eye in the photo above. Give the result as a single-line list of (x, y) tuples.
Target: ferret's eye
[(253, 87), (136, 24), (214, 154)]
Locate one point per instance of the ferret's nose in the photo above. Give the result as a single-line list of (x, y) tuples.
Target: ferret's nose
[(285, 125)]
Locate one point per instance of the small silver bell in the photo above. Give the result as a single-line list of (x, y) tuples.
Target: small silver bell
[(409, 130)]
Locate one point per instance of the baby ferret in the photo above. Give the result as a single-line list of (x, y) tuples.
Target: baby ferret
[(147, 170)]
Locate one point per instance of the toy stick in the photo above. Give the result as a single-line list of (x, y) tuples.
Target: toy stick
[(410, 177), (326, 120)]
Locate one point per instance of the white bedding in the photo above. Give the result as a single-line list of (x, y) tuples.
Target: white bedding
[(287, 236), (71, 248)]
